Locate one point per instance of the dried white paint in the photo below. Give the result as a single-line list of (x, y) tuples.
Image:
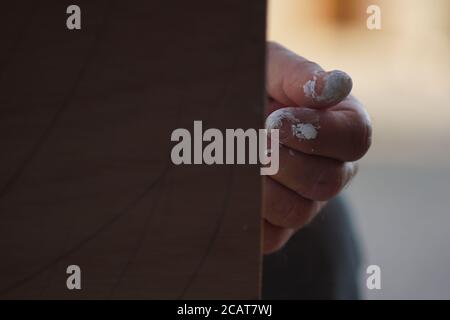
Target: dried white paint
[(336, 84), (310, 88), (300, 130), (304, 131), (275, 119)]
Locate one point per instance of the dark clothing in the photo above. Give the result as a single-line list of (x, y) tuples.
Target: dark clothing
[(321, 261)]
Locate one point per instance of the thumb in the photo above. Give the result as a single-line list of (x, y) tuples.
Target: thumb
[(294, 81)]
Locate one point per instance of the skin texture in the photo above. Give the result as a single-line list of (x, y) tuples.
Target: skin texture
[(312, 171)]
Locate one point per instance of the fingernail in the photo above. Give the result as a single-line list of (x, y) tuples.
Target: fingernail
[(329, 87)]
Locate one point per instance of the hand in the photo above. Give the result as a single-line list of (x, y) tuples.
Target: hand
[(323, 131)]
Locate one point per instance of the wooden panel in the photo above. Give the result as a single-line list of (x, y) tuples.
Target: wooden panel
[(85, 170)]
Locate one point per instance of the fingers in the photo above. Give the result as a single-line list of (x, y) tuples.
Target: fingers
[(342, 132), (274, 238), (284, 208), (294, 81), (313, 177), (318, 146)]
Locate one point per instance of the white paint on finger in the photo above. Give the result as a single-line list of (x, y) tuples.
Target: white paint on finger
[(275, 119), (310, 88), (301, 130), (304, 131), (335, 86)]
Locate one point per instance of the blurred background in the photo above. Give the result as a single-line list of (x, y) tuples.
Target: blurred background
[(401, 197)]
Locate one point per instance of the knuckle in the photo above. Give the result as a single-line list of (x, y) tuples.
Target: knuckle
[(296, 78), (329, 183)]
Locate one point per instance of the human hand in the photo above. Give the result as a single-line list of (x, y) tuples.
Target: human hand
[(323, 131)]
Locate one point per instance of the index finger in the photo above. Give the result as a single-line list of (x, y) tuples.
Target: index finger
[(342, 132)]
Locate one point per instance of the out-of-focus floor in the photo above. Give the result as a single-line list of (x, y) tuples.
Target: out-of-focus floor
[(401, 197)]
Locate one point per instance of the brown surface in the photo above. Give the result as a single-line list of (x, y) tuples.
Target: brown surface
[(85, 170)]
